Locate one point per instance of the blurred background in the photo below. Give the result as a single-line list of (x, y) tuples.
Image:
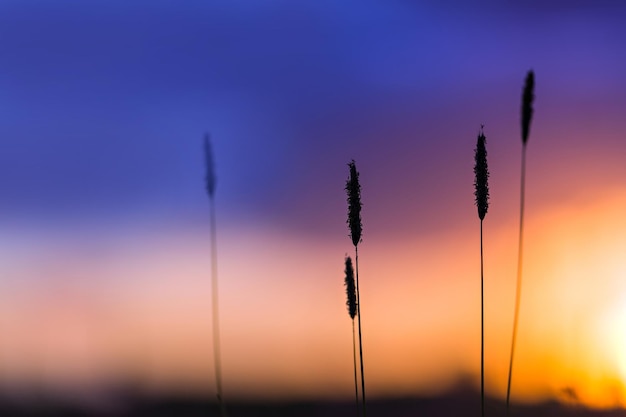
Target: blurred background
[(104, 221)]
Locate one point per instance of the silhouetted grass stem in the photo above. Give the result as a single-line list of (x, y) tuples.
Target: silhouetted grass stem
[(216, 320), (356, 384), (351, 303), (358, 306), (481, 194), (482, 326), (353, 188), (210, 182), (528, 96), (518, 286)]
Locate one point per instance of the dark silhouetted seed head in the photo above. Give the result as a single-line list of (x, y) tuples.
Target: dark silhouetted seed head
[(210, 169), (350, 288), (353, 188), (482, 175), (527, 105)]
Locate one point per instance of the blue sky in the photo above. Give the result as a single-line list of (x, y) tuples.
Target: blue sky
[(104, 103)]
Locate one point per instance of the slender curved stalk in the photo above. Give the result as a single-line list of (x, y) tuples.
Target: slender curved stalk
[(358, 306), (481, 193), (355, 225), (528, 96), (482, 327), (518, 289), (216, 321), (356, 385), (351, 303), (210, 188)]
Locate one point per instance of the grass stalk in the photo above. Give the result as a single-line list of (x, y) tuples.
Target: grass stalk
[(356, 384), (353, 188), (528, 96), (518, 285), (351, 303), (482, 326), (210, 188), (216, 311), (481, 193), (358, 307)]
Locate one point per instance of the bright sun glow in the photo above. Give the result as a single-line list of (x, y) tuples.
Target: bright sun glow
[(619, 338), (612, 332)]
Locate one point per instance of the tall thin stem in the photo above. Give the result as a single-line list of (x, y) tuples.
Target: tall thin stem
[(482, 327), (358, 306), (518, 289), (482, 203), (356, 386), (216, 320)]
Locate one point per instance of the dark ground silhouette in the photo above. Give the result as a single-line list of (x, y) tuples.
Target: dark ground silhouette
[(459, 402)]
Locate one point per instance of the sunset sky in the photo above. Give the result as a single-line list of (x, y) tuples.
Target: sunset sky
[(104, 221)]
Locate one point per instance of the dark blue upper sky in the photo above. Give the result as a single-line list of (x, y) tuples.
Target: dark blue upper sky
[(103, 104)]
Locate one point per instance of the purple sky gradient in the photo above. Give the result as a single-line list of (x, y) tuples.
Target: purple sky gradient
[(103, 105)]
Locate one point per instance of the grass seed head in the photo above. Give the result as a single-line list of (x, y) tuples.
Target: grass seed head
[(527, 105), (482, 175), (353, 188), (210, 168), (350, 288)]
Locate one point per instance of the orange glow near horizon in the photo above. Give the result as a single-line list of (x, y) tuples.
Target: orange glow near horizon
[(286, 332)]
